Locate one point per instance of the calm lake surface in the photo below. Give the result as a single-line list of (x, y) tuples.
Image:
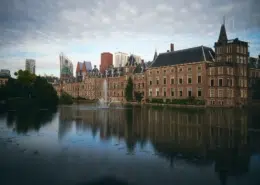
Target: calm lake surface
[(139, 145)]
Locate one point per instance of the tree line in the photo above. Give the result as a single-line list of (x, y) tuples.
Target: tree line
[(28, 90)]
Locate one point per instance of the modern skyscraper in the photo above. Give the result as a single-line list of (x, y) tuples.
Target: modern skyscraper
[(30, 65), (66, 68), (120, 59), (106, 61)]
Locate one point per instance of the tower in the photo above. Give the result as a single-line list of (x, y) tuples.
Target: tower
[(228, 75)]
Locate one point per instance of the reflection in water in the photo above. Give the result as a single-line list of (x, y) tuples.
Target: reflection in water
[(24, 121), (200, 137)]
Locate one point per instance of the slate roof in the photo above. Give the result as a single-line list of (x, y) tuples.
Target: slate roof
[(223, 34), (254, 63), (195, 54)]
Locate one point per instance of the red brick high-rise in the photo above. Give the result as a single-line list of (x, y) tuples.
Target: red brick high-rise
[(106, 61)]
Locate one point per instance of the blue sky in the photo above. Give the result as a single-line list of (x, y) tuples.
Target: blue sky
[(82, 29)]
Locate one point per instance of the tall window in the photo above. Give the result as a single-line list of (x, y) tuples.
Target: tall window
[(157, 92), (150, 92), (172, 80), (199, 93), (220, 93), (212, 82), (172, 91), (164, 91), (189, 79), (180, 80), (212, 93), (180, 92), (164, 81), (189, 92), (199, 79), (220, 82), (157, 81)]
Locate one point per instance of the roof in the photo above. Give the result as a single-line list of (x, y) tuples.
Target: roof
[(195, 54), (223, 34), (254, 62), (88, 65)]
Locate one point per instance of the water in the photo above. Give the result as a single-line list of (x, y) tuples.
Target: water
[(149, 145)]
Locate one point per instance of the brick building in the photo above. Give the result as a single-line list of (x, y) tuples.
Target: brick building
[(106, 61), (214, 78)]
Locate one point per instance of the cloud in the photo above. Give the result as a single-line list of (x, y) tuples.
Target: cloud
[(83, 29)]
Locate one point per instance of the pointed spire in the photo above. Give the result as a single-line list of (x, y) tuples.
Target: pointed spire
[(223, 34), (155, 55)]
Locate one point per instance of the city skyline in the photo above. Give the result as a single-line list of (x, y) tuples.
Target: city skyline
[(84, 30)]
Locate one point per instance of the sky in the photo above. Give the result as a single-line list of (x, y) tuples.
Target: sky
[(83, 29)]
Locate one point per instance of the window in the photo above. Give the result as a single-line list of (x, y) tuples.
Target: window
[(164, 81), (237, 59), (242, 93), (172, 81), (150, 92), (189, 92), (199, 79), (211, 71), (189, 69), (220, 70), (212, 82), (220, 93), (164, 91), (180, 92), (158, 72), (212, 93), (172, 92), (237, 49), (189, 79), (157, 81), (180, 80), (180, 69), (164, 72), (172, 70), (220, 82), (157, 92), (199, 68), (199, 93)]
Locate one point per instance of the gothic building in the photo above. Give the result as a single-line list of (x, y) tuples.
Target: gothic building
[(228, 74)]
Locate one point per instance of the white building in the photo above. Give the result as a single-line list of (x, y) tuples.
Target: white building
[(30, 65), (137, 59), (120, 59)]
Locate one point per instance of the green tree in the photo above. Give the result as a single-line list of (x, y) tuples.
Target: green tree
[(129, 90), (138, 96), (29, 91), (66, 99)]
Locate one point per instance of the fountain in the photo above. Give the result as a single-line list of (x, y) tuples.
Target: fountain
[(103, 102)]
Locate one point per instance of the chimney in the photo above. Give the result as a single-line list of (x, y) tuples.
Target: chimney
[(172, 47)]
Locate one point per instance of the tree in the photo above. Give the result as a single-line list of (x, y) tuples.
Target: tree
[(138, 96), (29, 90), (129, 90), (66, 99)]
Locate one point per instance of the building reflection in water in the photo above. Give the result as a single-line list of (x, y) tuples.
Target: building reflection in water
[(200, 137)]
